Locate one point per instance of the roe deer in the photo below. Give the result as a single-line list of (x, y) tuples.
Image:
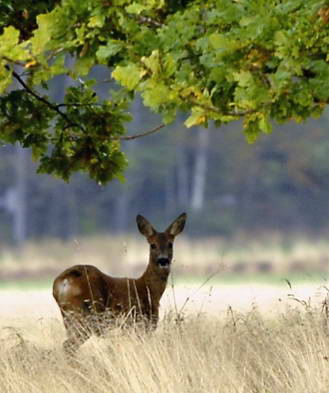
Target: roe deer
[(90, 300)]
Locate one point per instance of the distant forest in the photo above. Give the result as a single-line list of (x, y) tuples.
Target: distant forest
[(224, 184)]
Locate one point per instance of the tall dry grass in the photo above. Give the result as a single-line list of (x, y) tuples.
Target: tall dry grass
[(243, 353)]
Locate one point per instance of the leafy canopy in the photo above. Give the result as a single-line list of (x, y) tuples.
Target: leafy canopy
[(219, 60)]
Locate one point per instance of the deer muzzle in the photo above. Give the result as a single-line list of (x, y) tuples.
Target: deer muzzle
[(163, 262)]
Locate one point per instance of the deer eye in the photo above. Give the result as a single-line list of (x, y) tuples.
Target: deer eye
[(153, 246), (170, 245)]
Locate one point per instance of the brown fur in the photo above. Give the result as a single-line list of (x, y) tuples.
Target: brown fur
[(90, 300)]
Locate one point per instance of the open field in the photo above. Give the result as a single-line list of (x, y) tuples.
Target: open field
[(242, 349), (246, 330), (188, 298), (272, 253)]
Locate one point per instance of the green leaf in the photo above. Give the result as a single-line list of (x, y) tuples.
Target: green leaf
[(83, 65), (155, 94), (10, 47), (251, 127), (169, 65), (135, 8), (265, 124), (280, 38), (105, 52), (9, 39), (152, 62), (128, 76), (244, 78), (220, 41), (42, 36), (197, 117), (96, 21)]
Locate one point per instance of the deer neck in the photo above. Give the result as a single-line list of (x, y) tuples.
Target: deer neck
[(155, 279)]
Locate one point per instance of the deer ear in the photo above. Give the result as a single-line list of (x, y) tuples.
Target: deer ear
[(177, 226), (145, 228)]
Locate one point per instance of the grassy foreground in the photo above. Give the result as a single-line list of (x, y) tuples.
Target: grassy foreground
[(244, 353)]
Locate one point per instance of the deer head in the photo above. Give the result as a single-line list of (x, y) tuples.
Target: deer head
[(161, 243)]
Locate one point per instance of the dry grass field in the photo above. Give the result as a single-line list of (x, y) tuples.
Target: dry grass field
[(249, 352), (216, 337), (227, 339)]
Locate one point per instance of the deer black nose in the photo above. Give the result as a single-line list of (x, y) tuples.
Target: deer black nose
[(163, 262)]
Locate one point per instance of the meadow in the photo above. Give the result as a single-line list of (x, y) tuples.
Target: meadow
[(222, 329), (247, 352), (275, 254)]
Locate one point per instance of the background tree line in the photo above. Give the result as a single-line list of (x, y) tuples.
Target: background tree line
[(280, 183)]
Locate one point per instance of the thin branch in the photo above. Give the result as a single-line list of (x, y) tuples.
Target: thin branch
[(19, 63), (149, 21), (44, 101), (77, 104), (240, 113), (131, 137), (68, 120)]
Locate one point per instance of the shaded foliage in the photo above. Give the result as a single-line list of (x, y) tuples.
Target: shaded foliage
[(216, 60)]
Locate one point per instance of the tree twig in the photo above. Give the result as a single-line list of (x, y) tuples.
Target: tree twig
[(78, 104), (46, 102), (149, 21), (131, 137), (69, 121)]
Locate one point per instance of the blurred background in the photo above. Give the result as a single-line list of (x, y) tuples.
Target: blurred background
[(261, 208)]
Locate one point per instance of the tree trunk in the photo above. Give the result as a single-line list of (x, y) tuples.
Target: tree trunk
[(19, 208), (182, 175), (169, 194), (200, 171)]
